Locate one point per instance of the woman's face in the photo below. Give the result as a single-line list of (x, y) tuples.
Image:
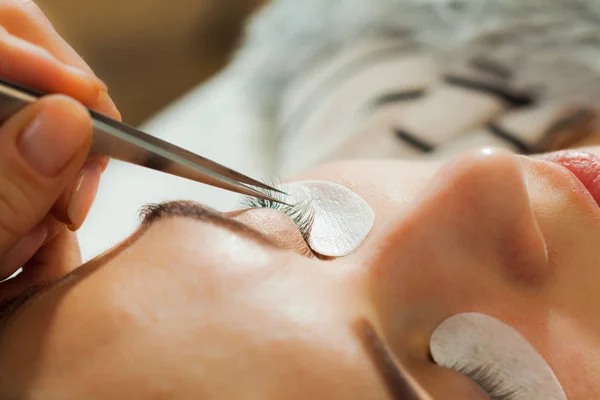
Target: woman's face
[(202, 305)]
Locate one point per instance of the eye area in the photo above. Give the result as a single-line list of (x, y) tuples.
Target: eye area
[(492, 384), (277, 226), (494, 355), (302, 214)]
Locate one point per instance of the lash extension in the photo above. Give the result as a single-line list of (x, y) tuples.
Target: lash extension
[(302, 213), (495, 387)]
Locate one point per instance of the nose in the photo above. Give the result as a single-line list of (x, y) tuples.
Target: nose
[(475, 212)]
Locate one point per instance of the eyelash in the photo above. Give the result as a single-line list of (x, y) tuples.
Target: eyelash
[(495, 387), (302, 213)]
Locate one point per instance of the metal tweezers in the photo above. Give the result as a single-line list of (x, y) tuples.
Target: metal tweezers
[(123, 142)]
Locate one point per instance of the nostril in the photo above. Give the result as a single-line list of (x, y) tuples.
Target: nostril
[(524, 253)]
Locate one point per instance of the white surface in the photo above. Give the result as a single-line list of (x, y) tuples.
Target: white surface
[(214, 121), (473, 340), (342, 219)]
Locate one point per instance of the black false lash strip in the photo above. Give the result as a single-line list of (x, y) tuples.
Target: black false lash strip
[(511, 138), (398, 97), (413, 141), (512, 98)]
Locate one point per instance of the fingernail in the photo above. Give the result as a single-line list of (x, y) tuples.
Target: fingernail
[(97, 81), (107, 106), (49, 142), (101, 84), (83, 195)]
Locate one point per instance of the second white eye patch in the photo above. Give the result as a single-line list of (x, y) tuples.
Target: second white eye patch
[(477, 344), (341, 219)]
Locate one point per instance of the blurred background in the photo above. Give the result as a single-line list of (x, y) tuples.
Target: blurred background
[(150, 52)]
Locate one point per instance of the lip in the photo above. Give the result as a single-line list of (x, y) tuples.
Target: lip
[(584, 166)]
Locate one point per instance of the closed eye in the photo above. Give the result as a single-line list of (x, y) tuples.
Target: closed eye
[(302, 214)]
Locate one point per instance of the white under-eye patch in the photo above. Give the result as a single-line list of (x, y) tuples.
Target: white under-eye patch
[(479, 345), (341, 218)]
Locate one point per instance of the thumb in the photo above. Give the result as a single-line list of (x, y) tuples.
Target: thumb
[(42, 149)]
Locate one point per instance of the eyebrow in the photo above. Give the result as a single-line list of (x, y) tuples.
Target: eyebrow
[(149, 214), (9, 306), (399, 386), (397, 97)]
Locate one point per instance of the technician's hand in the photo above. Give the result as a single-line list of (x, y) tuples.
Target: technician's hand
[(47, 179)]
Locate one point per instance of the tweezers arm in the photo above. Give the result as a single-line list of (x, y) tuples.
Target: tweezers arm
[(123, 142), (128, 144), (13, 100)]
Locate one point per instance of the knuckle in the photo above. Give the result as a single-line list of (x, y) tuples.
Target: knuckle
[(18, 11), (16, 8), (16, 208)]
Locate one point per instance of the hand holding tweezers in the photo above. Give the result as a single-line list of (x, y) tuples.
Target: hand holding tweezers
[(123, 142)]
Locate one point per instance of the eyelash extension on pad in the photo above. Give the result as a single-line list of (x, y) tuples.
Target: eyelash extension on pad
[(302, 213), (493, 386)]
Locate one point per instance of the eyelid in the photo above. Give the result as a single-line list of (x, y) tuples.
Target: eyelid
[(192, 210), (278, 227), (302, 214), (149, 214)]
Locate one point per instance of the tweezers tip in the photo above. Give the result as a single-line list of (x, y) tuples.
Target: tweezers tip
[(275, 200), (280, 192), (261, 194), (264, 186)]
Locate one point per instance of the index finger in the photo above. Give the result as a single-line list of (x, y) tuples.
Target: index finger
[(33, 66), (24, 20)]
